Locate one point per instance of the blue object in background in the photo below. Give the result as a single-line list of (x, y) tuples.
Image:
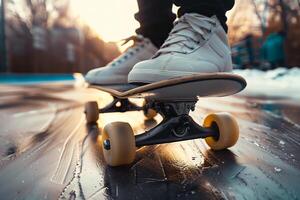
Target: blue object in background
[(273, 49), (34, 78)]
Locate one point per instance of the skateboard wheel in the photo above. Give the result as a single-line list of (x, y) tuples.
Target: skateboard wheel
[(149, 112), (118, 144), (91, 112), (227, 128)]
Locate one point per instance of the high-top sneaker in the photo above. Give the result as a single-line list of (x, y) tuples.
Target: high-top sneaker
[(116, 72), (196, 44)]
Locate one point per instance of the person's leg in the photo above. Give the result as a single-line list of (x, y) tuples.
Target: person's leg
[(156, 19), (205, 7)]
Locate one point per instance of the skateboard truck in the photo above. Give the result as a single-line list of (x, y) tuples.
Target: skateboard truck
[(177, 125), (117, 105), (220, 131), (120, 105)]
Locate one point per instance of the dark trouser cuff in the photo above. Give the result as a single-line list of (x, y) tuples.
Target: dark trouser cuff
[(156, 20), (157, 33)]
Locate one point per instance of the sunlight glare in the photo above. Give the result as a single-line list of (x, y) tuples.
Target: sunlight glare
[(112, 20)]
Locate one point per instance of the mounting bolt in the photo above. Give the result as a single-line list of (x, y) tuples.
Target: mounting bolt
[(193, 108), (106, 144), (186, 125), (181, 130), (167, 109)]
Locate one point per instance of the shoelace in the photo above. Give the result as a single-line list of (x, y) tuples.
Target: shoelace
[(188, 32), (134, 38), (138, 42)]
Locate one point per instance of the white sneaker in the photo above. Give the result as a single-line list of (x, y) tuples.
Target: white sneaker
[(196, 44), (116, 72)]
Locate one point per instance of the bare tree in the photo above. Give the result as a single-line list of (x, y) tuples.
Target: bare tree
[(43, 33), (29, 13), (261, 14), (28, 23)]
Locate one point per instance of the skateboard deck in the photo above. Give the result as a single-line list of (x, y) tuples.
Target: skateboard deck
[(181, 88)]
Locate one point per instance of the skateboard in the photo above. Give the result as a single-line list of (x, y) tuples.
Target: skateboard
[(173, 99)]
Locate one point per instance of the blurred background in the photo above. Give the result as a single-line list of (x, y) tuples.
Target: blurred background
[(67, 36)]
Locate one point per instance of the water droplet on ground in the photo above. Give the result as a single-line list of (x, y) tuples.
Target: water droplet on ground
[(256, 144), (281, 143), (277, 169)]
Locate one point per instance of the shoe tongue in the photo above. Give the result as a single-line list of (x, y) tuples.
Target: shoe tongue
[(189, 31)]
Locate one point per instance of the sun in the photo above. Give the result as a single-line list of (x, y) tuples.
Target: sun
[(113, 20)]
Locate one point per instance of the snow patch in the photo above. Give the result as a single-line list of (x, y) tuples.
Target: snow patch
[(280, 82)]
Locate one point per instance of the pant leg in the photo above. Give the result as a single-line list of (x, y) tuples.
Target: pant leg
[(156, 19), (206, 7)]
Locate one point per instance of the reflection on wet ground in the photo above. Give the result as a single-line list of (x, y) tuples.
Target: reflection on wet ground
[(47, 151)]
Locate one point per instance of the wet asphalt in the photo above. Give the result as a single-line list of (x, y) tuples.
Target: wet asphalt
[(47, 151)]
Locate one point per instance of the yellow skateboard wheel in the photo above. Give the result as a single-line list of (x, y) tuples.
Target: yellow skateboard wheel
[(149, 113), (227, 127), (91, 112), (118, 144)]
